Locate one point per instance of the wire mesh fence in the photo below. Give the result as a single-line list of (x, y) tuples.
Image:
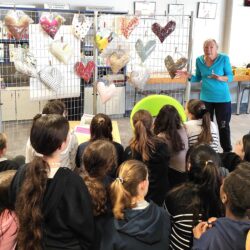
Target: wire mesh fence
[(94, 62)]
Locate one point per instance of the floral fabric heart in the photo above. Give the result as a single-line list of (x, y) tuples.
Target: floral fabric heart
[(118, 44), (51, 77), (80, 28), (85, 72), (103, 38), (139, 76), (51, 23), (144, 51), (62, 51), (106, 92), (26, 65), (117, 61), (163, 32), (128, 25), (172, 67), (17, 22)]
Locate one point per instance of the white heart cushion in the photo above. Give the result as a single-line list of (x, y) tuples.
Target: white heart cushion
[(80, 29), (25, 68), (139, 76), (51, 77), (106, 92), (62, 51)]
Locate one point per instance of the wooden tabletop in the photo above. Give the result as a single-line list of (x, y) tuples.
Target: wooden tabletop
[(82, 137), (241, 78), (164, 78)]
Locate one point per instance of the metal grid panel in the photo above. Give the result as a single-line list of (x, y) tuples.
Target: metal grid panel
[(18, 108)]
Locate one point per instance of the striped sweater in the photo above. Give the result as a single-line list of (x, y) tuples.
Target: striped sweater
[(194, 128)]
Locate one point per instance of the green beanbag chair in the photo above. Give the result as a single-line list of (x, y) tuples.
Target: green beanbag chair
[(153, 104)]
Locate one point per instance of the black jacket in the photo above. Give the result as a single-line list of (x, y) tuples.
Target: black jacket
[(67, 211), (141, 229), (158, 166)]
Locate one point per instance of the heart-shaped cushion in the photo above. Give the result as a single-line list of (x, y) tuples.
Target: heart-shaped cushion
[(139, 76), (62, 51), (103, 38), (128, 25), (85, 72), (117, 61), (80, 28), (51, 23), (163, 32), (17, 22), (144, 51), (106, 92), (118, 44), (172, 67), (26, 65), (51, 77)]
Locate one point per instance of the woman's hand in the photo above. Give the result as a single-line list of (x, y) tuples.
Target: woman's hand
[(217, 77), (181, 73)]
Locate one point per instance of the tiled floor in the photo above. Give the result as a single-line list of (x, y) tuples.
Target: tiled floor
[(18, 132)]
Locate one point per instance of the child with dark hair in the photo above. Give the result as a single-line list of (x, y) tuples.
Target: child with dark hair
[(68, 155), (8, 220), (100, 129), (168, 125), (196, 199), (145, 146), (200, 128), (6, 164), (98, 160), (241, 152), (53, 204), (229, 232), (137, 224)]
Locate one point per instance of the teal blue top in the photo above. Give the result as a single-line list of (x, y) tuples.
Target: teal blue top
[(213, 90)]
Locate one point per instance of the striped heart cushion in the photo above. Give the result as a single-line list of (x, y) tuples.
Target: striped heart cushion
[(51, 77)]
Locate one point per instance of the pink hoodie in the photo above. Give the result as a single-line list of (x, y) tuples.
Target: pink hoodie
[(8, 230)]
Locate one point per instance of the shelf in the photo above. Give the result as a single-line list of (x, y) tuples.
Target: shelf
[(10, 41)]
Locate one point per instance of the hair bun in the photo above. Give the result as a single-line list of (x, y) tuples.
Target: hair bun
[(202, 112)]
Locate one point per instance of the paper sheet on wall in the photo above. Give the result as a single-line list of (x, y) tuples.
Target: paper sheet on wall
[(39, 43)]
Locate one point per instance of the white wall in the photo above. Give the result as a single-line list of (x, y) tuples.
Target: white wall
[(238, 35)]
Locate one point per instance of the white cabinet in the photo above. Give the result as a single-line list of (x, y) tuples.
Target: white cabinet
[(8, 100), (114, 106), (16, 104), (25, 108)]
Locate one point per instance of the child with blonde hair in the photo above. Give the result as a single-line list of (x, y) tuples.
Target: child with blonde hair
[(137, 224)]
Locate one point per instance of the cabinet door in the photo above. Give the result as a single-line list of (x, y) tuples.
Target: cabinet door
[(8, 105), (115, 106), (88, 102), (41, 105), (26, 109)]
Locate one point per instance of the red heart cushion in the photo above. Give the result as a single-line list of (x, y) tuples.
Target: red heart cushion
[(163, 32), (85, 72)]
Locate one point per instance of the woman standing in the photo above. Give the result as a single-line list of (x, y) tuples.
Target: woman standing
[(214, 70)]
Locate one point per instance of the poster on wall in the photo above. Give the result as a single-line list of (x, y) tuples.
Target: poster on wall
[(247, 3), (55, 63)]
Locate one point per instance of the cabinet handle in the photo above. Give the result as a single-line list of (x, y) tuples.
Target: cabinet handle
[(18, 94)]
